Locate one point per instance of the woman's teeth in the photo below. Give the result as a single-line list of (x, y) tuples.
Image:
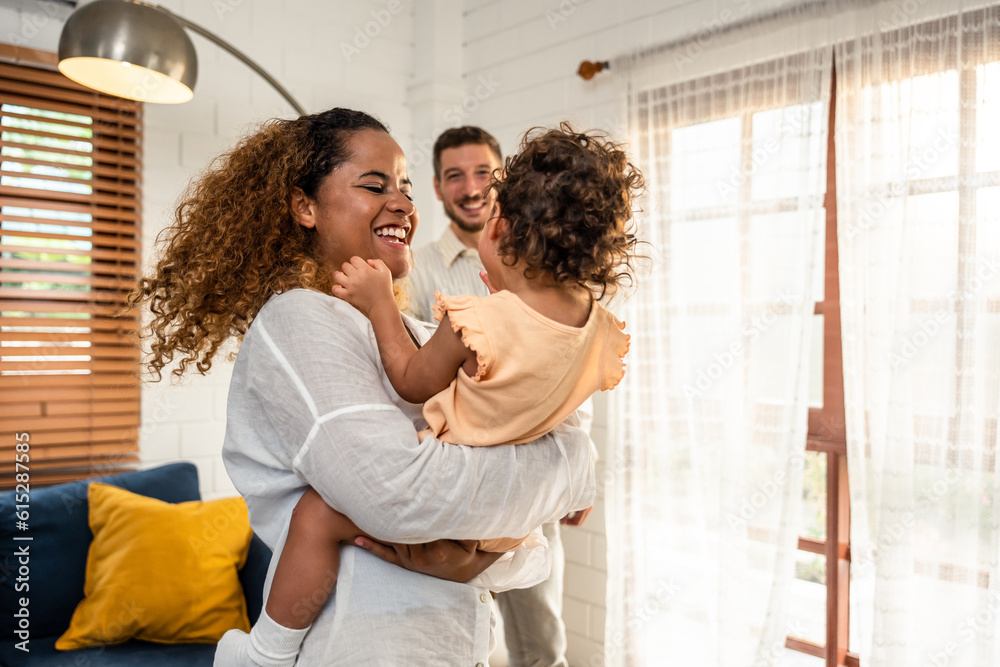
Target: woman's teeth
[(397, 232)]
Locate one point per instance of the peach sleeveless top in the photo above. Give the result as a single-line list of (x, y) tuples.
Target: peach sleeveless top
[(533, 371)]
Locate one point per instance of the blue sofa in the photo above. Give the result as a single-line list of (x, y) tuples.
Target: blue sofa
[(61, 537)]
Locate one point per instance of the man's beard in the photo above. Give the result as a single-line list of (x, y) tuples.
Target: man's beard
[(464, 225)]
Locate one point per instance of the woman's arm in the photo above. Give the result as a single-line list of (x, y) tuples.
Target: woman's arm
[(415, 373), (315, 374)]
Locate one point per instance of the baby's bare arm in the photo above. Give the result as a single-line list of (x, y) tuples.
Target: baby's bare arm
[(431, 368), (415, 373)]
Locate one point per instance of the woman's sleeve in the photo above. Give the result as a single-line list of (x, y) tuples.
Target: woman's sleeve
[(323, 394), (524, 567)]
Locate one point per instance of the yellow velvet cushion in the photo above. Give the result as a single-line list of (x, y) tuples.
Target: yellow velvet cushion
[(161, 572)]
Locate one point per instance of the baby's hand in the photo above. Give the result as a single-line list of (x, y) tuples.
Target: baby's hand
[(364, 284), (485, 277)]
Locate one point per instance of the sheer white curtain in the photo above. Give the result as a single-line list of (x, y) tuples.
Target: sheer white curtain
[(708, 428), (918, 170)]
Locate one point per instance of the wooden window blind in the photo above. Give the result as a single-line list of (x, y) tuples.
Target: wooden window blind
[(69, 253)]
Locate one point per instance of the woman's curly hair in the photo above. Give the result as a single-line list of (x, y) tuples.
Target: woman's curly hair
[(233, 242), (568, 199)]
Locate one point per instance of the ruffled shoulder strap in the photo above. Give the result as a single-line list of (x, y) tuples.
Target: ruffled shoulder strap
[(615, 348), (463, 312)]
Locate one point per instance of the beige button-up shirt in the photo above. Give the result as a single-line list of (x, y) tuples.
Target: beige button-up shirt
[(447, 265)]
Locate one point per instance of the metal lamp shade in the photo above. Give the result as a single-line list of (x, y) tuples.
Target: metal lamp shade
[(129, 49)]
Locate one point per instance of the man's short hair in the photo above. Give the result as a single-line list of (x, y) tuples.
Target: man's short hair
[(460, 136)]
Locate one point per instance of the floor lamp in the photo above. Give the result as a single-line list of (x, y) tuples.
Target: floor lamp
[(139, 51)]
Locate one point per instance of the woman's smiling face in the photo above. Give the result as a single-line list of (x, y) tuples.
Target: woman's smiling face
[(363, 207)]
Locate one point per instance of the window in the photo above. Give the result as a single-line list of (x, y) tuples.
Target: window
[(907, 272), (919, 252), (69, 253), (713, 409), (820, 594)]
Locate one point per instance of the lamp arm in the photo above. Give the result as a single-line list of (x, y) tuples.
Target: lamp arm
[(239, 55)]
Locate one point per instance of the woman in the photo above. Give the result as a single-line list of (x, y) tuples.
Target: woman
[(252, 254)]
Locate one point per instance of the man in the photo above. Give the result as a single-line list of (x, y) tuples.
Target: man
[(464, 161)]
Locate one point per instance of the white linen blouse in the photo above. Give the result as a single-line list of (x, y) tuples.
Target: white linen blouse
[(310, 405)]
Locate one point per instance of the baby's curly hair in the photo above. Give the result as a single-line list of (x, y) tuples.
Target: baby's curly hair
[(233, 242), (568, 198)]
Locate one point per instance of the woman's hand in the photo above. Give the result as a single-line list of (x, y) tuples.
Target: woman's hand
[(454, 560)]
